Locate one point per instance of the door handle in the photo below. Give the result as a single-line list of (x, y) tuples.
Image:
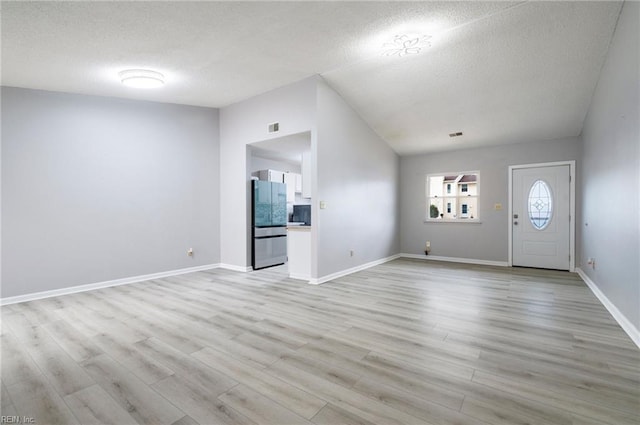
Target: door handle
[(515, 223)]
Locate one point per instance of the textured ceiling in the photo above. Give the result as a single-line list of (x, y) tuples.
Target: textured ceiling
[(501, 72)]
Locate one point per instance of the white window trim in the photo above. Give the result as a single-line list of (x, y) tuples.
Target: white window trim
[(448, 220)]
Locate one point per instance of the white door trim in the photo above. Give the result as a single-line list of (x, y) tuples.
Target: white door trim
[(572, 207)]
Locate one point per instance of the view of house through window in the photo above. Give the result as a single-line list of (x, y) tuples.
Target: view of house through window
[(453, 196)]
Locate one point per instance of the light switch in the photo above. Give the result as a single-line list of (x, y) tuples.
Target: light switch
[(323, 205)]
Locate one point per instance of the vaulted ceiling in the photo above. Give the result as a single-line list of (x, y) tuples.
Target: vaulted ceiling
[(499, 72)]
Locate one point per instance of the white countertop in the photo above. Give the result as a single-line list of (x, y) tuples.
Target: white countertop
[(299, 228)]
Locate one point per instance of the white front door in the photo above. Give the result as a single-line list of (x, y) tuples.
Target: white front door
[(541, 219)]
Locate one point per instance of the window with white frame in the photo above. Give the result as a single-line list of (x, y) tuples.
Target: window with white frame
[(453, 196)]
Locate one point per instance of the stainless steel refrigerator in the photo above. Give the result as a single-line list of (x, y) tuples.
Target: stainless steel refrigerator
[(269, 224)]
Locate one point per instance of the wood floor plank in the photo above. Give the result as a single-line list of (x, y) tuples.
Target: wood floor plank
[(581, 385), (259, 408), (328, 371), (93, 406), (17, 365), (441, 394), (186, 420), (171, 357), (591, 409), (349, 400), (144, 404), (8, 409), (329, 346), (81, 319), (14, 321), (164, 330), (334, 415), (197, 396), (36, 312), (5, 398), (523, 414), (289, 334), (419, 406), (140, 364), (418, 355), (64, 374), (300, 402), (39, 343), (35, 398), (250, 351), (73, 342)]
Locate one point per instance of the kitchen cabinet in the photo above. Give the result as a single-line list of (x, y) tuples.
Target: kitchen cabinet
[(299, 252), (271, 176), (298, 183), (306, 175), (290, 181)]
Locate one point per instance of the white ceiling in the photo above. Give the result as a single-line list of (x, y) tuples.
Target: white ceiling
[(501, 72)]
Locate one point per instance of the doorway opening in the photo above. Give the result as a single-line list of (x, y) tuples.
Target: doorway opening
[(279, 166)]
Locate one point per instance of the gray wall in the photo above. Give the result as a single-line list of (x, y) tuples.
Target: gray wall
[(611, 181), (243, 123), (357, 177), (487, 240), (96, 188)]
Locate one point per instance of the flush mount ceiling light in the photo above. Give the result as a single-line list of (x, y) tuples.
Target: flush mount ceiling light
[(406, 44), (141, 78)]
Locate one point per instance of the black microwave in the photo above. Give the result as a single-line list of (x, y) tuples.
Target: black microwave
[(302, 214)]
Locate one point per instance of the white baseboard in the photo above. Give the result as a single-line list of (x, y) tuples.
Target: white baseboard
[(235, 268), (299, 276), (323, 279), (624, 323), (91, 286), (456, 260)]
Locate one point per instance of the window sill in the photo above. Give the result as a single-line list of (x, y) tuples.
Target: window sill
[(468, 221)]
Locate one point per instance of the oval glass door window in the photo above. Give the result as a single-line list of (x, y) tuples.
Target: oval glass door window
[(540, 205)]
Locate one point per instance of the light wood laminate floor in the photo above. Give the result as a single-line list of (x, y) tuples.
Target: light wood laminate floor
[(406, 342)]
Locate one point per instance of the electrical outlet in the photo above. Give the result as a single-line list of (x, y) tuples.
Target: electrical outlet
[(190, 252), (351, 252), (591, 262)]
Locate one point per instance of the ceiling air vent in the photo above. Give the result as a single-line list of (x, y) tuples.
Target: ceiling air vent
[(274, 127), (459, 133)]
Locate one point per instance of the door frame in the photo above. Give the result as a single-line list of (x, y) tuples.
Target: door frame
[(572, 207)]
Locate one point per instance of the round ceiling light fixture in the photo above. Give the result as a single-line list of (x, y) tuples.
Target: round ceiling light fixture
[(406, 44), (141, 78)]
